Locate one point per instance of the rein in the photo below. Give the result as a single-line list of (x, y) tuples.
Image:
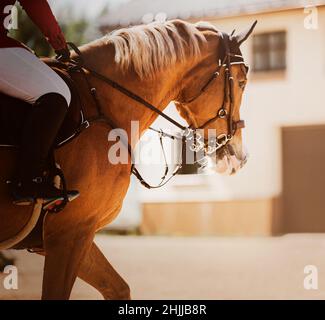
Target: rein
[(221, 140), (80, 64)]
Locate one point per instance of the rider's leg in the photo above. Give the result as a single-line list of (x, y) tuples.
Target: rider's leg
[(39, 133), (24, 76)]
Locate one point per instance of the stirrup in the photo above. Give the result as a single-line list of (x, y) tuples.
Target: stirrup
[(51, 204)]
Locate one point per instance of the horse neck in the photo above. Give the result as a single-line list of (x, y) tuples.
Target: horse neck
[(159, 90)]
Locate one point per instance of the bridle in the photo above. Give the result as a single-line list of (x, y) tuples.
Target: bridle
[(228, 100), (188, 133)]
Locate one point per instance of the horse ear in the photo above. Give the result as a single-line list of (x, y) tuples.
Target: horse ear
[(241, 37)]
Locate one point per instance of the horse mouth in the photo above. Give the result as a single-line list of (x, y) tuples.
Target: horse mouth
[(226, 161)]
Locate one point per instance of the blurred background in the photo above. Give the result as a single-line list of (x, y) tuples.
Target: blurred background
[(210, 236)]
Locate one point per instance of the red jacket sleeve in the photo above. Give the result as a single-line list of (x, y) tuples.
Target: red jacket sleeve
[(41, 14)]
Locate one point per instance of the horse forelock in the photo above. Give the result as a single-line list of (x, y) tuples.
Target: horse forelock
[(156, 46)]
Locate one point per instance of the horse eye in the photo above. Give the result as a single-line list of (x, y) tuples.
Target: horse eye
[(242, 84)]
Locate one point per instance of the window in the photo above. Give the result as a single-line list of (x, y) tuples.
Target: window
[(269, 51)]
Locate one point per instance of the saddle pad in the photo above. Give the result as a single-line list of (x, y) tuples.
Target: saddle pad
[(13, 112)]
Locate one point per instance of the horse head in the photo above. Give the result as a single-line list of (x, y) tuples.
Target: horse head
[(211, 98)]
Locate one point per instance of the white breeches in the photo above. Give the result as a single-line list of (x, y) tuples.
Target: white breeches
[(24, 76)]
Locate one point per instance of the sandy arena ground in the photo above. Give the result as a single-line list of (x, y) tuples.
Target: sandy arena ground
[(197, 268)]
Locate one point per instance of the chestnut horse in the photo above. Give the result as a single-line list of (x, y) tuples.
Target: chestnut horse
[(160, 62)]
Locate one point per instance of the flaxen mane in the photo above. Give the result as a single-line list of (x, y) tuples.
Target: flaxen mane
[(153, 47)]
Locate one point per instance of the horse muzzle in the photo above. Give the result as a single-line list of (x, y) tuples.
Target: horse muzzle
[(227, 161)]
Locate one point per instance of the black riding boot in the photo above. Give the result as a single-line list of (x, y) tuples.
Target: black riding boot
[(39, 133)]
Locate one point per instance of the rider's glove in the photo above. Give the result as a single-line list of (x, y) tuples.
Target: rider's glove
[(63, 55)]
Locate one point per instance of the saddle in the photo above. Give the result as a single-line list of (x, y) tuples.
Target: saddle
[(13, 112)]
